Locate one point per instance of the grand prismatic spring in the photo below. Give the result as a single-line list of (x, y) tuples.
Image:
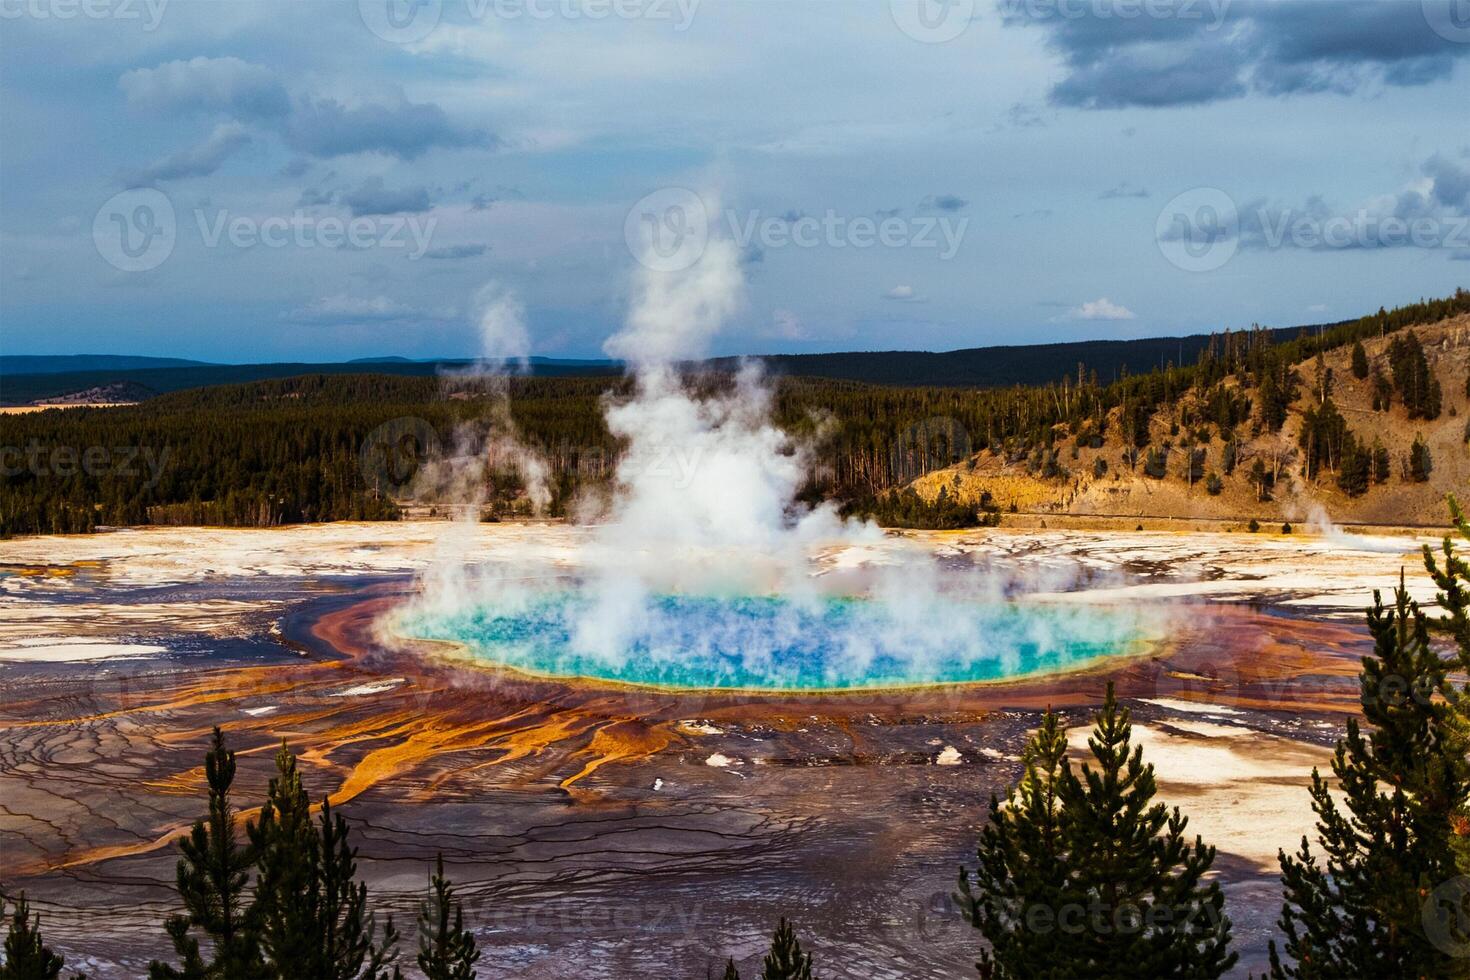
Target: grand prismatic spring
[(779, 642)]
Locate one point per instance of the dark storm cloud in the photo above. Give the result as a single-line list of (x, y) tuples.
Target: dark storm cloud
[(1451, 181), (943, 202), (373, 197), (311, 126), (1197, 51), (1433, 213), (1152, 77)]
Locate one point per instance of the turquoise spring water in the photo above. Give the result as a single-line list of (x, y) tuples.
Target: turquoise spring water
[(772, 643)]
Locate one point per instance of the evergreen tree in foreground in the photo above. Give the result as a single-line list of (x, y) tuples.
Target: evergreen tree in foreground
[(308, 914), (786, 961), (287, 855), (27, 957), (212, 877), (1362, 911), (312, 911), (1022, 863), (1139, 867), (446, 950), (1453, 580), (1083, 875), (1449, 912)]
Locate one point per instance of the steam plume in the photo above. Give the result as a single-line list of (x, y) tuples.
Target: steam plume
[(703, 504)]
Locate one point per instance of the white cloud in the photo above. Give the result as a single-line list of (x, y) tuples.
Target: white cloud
[(207, 84), (1101, 309), (901, 293)]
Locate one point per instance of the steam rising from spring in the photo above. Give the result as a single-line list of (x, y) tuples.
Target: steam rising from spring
[(702, 554)]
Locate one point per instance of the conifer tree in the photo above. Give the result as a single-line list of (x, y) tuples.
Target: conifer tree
[(1453, 597), (1453, 580), (1083, 875), (1356, 469), (786, 961), (348, 930), (1360, 361), (288, 853), (1022, 876), (1132, 861), (27, 957), (312, 910), (1361, 913), (212, 877), (446, 950), (730, 972), (1413, 377), (1381, 463), (1421, 462)]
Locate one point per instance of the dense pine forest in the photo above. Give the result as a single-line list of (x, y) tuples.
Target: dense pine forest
[(304, 449)]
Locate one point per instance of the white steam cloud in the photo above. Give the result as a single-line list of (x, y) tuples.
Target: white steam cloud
[(703, 494), (504, 339), (703, 503), (1320, 522), (676, 314), (489, 444)]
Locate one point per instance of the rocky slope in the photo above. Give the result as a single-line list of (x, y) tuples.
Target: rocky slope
[(1124, 491)]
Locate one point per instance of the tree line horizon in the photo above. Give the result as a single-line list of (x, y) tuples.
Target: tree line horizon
[(292, 450)]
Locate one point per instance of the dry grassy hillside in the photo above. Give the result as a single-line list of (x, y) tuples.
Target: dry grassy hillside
[(1127, 492)]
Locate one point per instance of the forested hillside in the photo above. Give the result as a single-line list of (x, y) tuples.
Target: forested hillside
[(1251, 412), (1369, 423)]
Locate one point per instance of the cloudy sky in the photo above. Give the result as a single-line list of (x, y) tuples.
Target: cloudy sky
[(324, 180)]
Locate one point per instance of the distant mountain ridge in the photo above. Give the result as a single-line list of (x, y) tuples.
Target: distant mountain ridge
[(991, 367), (24, 379), (11, 364)]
